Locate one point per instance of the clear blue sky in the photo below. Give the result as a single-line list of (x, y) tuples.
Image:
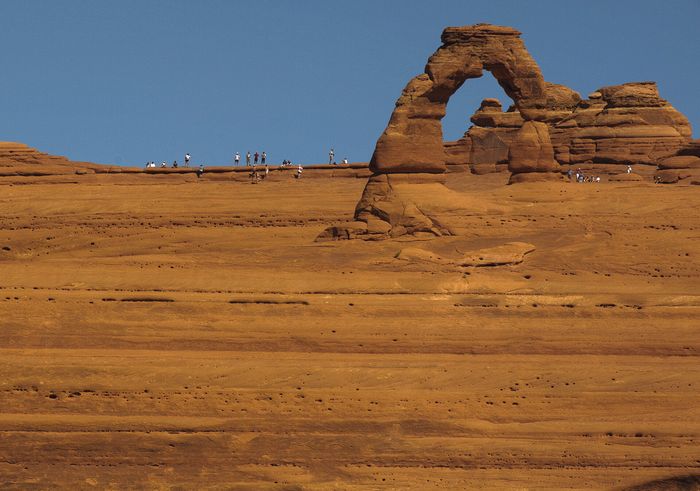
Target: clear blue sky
[(135, 80)]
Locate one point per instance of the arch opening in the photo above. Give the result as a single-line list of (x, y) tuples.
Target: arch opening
[(480, 124), (467, 100), (413, 139)]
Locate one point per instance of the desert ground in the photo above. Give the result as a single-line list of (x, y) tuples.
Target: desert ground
[(160, 331)]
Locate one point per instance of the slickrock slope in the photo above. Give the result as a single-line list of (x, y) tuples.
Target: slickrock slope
[(18, 159), (163, 332)]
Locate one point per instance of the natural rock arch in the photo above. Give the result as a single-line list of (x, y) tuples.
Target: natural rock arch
[(406, 195), (412, 141)]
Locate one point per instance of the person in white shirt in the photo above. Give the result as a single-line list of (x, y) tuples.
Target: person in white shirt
[(187, 160), (299, 170), (237, 158)]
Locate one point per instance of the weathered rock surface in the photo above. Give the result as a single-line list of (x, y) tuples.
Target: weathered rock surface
[(417, 254), (531, 153), (626, 124), (680, 162), (167, 333), (691, 148), (18, 159), (510, 253), (620, 125), (486, 144), (501, 255), (684, 166), (690, 482), (388, 212)]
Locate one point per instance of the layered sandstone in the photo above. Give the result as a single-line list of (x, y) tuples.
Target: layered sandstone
[(531, 155), (174, 333), (485, 146), (683, 166), (620, 125), (628, 124), (18, 159)]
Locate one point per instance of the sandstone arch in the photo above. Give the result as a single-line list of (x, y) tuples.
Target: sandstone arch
[(405, 194), (412, 141)]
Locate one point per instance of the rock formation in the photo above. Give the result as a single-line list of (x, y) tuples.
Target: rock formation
[(531, 156), (18, 159), (684, 165), (616, 126), (412, 141), (486, 144), (621, 125), (507, 254), (548, 126), (412, 144)]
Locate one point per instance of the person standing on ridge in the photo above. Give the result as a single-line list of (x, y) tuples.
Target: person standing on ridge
[(237, 159), (331, 156), (187, 160), (247, 159), (263, 157), (255, 158)]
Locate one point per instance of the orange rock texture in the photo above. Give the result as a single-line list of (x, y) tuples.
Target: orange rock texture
[(161, 331), (616, 126), (166, 331), (18, 159), (684, 166)]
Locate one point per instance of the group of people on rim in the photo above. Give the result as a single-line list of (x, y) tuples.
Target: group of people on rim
[(255, 175), (262, 157)]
